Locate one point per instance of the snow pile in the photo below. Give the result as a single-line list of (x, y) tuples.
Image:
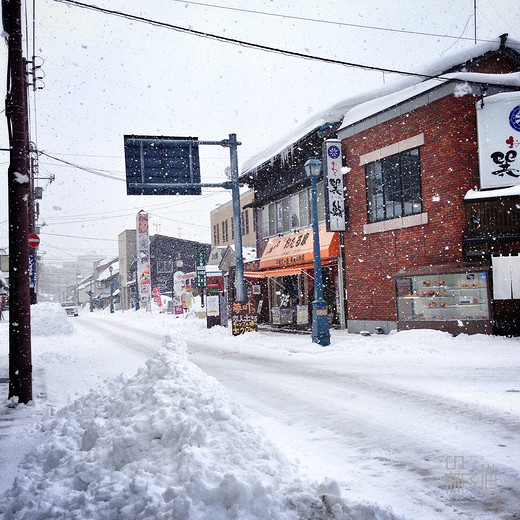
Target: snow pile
[(49, 319), (166, 443)]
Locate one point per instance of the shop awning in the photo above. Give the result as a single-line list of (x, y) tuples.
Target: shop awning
[(294, 251), (272, 273), (286, 271)]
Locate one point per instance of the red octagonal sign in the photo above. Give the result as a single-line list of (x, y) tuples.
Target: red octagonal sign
[(34, 240)]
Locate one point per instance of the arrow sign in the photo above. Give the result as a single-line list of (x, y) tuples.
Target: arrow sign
[(34, 240)]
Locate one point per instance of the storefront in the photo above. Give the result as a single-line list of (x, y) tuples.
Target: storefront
[(454, 300), (287, 265)]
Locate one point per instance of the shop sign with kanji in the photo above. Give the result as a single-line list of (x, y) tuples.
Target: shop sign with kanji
[(244, 318)]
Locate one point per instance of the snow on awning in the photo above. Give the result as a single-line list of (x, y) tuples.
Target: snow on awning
[(513, 191)]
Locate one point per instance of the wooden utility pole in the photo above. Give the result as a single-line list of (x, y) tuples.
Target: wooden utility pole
[(20, 364)]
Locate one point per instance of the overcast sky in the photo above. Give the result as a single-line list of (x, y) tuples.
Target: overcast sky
[(106, 76)]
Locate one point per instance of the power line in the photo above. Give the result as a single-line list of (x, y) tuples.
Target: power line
[(95, 171), (44, 233), (330, 22), (241, 43)]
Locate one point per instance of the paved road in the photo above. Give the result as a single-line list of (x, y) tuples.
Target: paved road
[(380, 440)]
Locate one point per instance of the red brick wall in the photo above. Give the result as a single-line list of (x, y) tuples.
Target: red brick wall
[(449, 168)]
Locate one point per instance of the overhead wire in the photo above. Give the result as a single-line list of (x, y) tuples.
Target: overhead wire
[(243, 43), (331, 22)]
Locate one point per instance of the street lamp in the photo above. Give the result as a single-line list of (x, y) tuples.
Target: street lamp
[(90, 294), (320, 321), (111, 290)]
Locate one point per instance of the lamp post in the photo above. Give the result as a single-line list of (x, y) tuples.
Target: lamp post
[(111, 290), (320, 322), (90, 293), (137, 306)]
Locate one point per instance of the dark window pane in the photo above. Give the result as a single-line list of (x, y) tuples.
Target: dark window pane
[(394, 186)]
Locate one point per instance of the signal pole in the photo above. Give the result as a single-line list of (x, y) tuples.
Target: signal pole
[(20, 363)]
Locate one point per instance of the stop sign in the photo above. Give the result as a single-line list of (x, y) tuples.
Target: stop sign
[(34, 240)]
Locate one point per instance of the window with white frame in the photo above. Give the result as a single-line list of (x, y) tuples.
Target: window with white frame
[(292, 212), (393, 186)]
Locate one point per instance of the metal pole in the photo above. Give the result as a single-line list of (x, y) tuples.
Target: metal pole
[(20, 362), (237, 228), (111, 292), (320, 322), (136, 287)]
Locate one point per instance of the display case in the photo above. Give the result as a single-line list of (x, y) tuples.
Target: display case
[(455, 297)]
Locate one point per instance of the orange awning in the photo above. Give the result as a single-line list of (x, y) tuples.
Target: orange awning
[(297, 250)]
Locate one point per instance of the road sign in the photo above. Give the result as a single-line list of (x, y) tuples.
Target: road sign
[(162, 165), (201, 277), (34, 240), (201, 258)]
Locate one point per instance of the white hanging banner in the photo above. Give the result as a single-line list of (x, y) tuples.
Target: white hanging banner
[(498, 124), (501, 277), (515, 276), (334, 193), (144, 287)]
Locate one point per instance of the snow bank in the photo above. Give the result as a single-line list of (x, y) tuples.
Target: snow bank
[(49, 319), (166, 443)]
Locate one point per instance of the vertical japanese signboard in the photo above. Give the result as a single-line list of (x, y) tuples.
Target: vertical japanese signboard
[(201, 269), (143, 260), (244, 318), (334, 194), (498, 124)]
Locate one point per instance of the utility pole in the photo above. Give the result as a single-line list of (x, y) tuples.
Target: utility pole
[(20, 364)]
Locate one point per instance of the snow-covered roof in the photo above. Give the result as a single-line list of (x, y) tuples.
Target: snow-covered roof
[(248, 252), (337, 112), (105, 275), (374, 106)]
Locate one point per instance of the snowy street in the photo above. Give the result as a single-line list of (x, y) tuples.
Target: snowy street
[(394, 420), (420, 422)]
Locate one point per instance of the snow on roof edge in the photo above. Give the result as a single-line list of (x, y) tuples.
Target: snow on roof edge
[(494, 193), (337, 111)]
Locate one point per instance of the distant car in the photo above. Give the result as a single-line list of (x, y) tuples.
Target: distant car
[(70, 308)]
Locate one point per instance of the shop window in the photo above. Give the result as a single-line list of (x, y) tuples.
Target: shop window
[(442, 297), (305, 208), (272, 219), (393, 186), (265, 221)]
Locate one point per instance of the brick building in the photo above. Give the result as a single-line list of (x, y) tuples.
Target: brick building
[(413, 157)]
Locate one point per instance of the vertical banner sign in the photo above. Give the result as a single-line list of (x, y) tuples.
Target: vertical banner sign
[(143, 260), (498, 124), (201, 269), (334, 195), (32, 278), (157, 296), (244, 318)]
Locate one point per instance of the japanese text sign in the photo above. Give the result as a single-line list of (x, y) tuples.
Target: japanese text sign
[(498, 123), (334, 194)]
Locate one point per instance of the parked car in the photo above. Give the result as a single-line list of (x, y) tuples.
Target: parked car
[(70, 308)]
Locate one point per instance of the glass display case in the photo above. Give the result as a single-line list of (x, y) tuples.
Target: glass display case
[(447, 297)]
